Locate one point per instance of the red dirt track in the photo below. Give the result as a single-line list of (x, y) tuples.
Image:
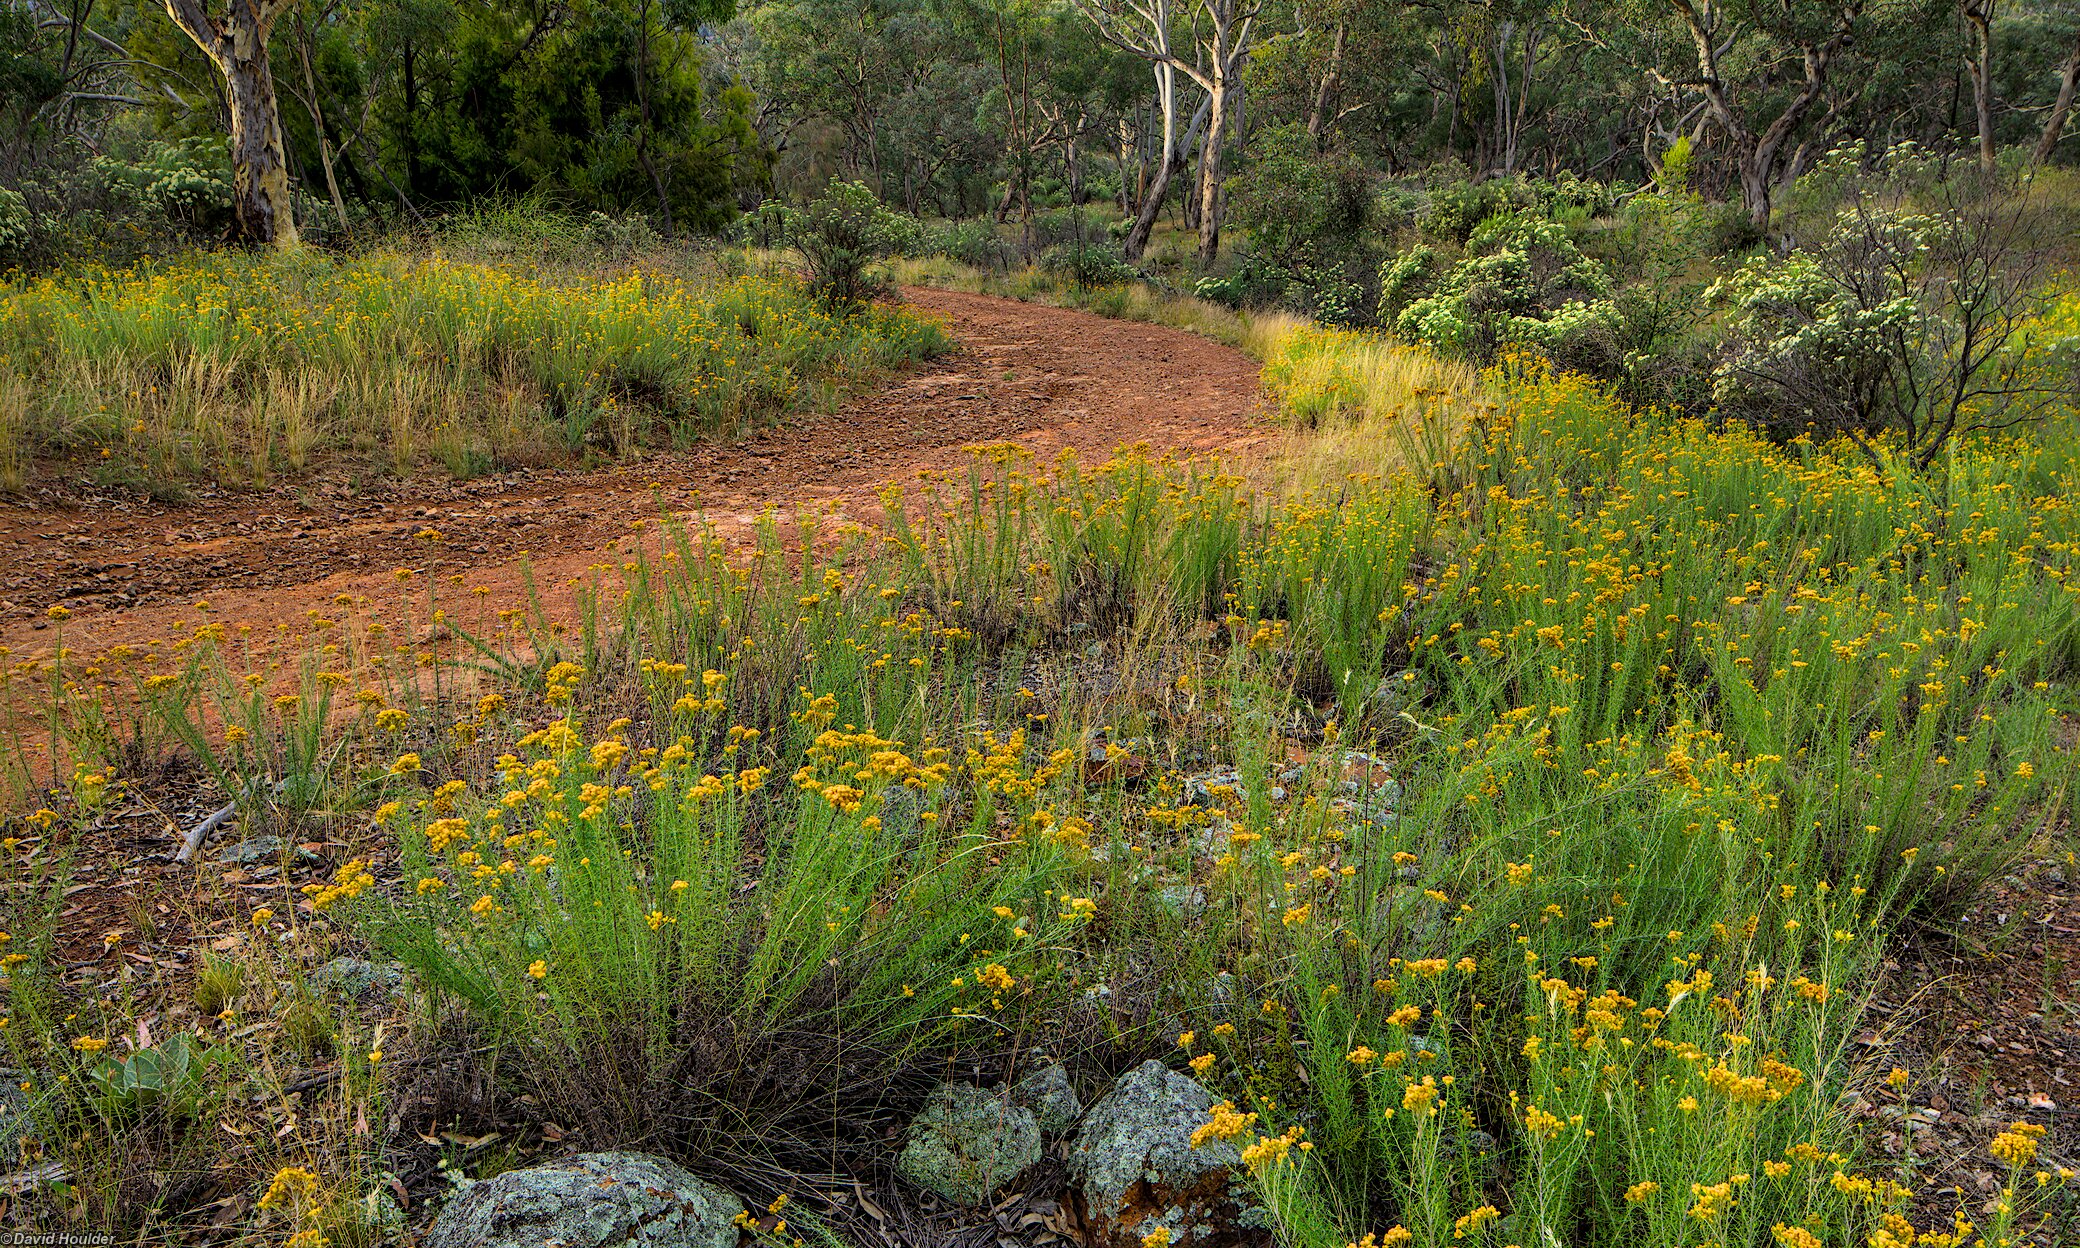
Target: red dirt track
[(1043, 377)]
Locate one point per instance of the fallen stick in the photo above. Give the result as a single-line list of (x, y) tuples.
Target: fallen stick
[(200, 832)]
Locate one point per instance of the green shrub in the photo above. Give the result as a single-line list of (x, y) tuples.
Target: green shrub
[(976, 243), (770, 225), (15, 222), (841, 235), (186, 182), (1914, 316), (1518, 269), (1456, 208), (1087, 264)]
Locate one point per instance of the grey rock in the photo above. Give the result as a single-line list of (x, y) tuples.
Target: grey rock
[(1046, 1091), (967, 1143), (592, 1200), (1402, 691), (1198, 789), (1186, 901), (900, 808), (1142, 1131), (17, 1126), (1136, 1168), (357, 977), (381, 1217), (263, 849), (251, 850), (1482, 1152)]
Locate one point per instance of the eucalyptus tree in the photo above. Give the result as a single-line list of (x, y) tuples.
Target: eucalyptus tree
[(1220, 34), (1799, 40), (234, 38)]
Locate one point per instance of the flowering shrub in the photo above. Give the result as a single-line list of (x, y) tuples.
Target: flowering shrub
[(1914, 315), (187, 182), (1518, 268), (14, 222)]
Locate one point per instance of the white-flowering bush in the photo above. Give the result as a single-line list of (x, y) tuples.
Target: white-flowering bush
[(1911, 316), (14, 223), (1518, 270), (187, 182)]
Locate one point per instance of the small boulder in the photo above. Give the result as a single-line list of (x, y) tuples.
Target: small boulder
[(967, 1143), (1046, 1091), (592, 1200), (259, 849), (17, 1124), (357, 977), (1185, 901), (1136, 1169)]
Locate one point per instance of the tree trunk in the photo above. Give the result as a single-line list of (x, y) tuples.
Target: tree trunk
[(1166, 159), (1755, 189), (1128, 205), (1756, 155), (1978, 14), (259, 167), (410, 133), (1325, 93), (2055, 124), (643, 153), (237, 46), (317, 111), (1210, 173)]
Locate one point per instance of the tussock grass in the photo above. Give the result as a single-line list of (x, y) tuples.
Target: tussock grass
[(243, 368)]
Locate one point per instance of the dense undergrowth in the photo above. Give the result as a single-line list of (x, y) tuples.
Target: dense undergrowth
[(243, 369), (1683, 727)]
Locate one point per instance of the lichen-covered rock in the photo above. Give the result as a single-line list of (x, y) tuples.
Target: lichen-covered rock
[(357, 977), (17, 1126), (592, 1200), (968, 1142), (1046, 1091), (1136, 1169), (1186, 901)]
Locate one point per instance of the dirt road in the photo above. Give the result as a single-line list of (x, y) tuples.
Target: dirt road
[(1041, 376)]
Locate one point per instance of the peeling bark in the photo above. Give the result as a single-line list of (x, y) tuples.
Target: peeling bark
[(237, 45)]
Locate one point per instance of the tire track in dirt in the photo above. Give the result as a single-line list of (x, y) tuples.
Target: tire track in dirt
[(1048, 378)]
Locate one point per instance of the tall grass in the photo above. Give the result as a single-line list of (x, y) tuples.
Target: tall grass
[(243, 368)]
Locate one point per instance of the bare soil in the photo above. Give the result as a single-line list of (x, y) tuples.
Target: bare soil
[(1046, 378)]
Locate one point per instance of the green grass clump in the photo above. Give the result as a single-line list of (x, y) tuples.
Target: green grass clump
[(242, 368)]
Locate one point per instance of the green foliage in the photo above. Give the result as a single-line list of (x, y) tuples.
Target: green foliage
[(1309, 217), (166, 1075), (1519, 272), (15, 223), (1913, 315), (1457, 208), (841, 236), (602, 108), (396, 357), (1087, 265), (1677, 168), (186, 182), (977, 244)]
